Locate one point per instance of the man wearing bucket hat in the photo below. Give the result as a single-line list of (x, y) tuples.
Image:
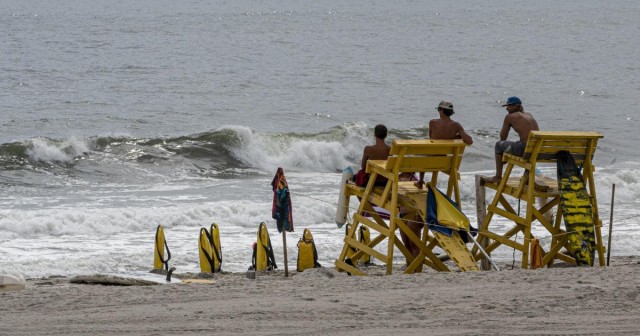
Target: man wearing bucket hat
[(446, 129), (443, 128), (523, 123)]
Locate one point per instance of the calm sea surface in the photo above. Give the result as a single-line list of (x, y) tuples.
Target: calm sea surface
[(120, 116)]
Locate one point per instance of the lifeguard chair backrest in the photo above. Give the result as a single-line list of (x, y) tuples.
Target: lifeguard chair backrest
[(543, 145), (409, 155)]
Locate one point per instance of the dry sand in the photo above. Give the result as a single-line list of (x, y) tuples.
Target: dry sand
[(556, 301)]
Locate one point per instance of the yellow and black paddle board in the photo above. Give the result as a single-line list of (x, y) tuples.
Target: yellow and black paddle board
[(576, 210)]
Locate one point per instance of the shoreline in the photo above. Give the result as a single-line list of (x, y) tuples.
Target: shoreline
[(557, 300)]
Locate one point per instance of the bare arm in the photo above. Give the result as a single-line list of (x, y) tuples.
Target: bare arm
[(465, 137), (365, 157), (431, 125), (506, 125)]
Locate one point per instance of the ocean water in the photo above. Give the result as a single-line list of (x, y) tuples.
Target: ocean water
[(121, 116)]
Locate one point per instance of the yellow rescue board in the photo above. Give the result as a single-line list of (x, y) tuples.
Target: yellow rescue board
[(216, 248), (159, 260), (209, 250), (576, 210)]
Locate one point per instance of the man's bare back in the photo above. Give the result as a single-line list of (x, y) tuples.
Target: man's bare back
[(447, 129), (444, 128), (379, 151), (521, 122)]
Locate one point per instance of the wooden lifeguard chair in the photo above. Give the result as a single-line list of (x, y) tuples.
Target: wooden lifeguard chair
[(433, 156), (542, 147)]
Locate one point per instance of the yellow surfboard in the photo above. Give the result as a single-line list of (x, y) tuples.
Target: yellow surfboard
[(159, 261), (209, 249), (205, 252)]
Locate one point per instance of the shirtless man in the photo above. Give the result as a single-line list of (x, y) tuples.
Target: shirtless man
[(523, 123), (379, 151), (446, 129), (443, 128)]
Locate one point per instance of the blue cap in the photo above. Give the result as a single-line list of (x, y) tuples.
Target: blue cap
[(513, 101)]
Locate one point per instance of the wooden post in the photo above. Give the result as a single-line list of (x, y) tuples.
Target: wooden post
[(481, 212), (613, 193), (284, 243)]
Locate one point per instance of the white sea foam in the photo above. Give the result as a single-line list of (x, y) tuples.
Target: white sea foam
[(62, 240), (42, 149), (324, 154), (61, 219)]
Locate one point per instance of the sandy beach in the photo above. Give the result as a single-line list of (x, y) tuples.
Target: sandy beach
[(550, 301), (123, 116)]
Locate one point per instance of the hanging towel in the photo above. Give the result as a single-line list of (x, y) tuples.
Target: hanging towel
[(281, 210)]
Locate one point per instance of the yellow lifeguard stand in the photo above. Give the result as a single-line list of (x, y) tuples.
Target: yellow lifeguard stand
[(433, 156), (542, 147)]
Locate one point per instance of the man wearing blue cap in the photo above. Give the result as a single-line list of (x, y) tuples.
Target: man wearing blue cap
[(523, 123)]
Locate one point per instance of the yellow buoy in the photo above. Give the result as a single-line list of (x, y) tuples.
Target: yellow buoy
[(307, 253)]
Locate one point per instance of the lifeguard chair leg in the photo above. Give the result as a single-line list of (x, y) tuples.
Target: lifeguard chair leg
[(528, 219), (596, 217), (392, 228)]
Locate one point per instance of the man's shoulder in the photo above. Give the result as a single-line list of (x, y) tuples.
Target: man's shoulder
[(516, 115), (442, 122), (523, 116), (376, 147)]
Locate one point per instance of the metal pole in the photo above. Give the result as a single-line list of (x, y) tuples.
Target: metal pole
[(284, 243), (482, 251), (613, 193), (481, 211)]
